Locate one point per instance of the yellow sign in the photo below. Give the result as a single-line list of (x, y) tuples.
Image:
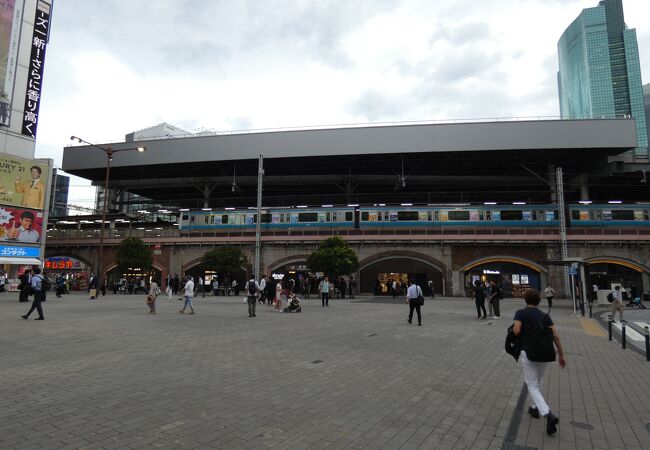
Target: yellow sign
[(23, 182)]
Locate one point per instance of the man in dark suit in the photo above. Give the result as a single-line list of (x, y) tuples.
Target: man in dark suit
[(92, 286), (25, 281)]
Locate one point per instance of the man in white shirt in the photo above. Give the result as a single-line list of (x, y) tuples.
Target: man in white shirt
[(412, 294), (188, 294), (617, 304), (262, 298), (252, 288)]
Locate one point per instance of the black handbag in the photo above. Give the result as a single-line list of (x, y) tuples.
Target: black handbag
[(513, 343), (420, 300)]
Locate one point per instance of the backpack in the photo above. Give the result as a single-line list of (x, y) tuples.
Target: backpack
[(252, 290), (538, 342), (610, 297)]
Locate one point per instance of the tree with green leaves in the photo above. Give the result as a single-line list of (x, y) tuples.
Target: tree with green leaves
[(133, 252), (334, 257), (224, 259)]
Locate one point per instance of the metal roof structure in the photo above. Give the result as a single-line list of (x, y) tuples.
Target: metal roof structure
[(424, 163)]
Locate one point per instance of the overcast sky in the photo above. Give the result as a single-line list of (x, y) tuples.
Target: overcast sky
[(116, 66)]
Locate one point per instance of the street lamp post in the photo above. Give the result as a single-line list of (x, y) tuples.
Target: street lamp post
[(109, 157)]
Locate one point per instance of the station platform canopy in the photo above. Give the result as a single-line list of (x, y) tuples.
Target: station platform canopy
[(423, 163)]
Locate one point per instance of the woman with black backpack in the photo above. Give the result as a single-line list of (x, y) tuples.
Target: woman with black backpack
[(537, 335)]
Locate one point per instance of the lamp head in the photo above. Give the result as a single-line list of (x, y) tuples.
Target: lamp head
[(75, 138)]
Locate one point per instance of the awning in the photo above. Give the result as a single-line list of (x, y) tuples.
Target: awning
[(21, 261)]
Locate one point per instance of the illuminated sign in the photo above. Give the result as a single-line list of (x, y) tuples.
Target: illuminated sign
[(491, 272), (63, 262), (20, 252)]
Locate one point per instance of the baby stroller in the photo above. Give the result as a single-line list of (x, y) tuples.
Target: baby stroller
[(294, 305), (636, 303)]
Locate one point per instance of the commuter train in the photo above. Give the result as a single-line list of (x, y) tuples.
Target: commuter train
[(432, 216)]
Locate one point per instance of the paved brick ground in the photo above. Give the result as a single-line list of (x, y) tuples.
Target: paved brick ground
[(105, 374)]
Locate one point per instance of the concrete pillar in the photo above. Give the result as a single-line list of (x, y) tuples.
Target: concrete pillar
[(206, 196), (584, 188), (456, 284), (552, 184)]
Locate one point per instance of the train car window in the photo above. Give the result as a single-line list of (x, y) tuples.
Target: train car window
[(266, 218), (436, 216), (458, 215), (224, 218), (308, 217), (328, 217), (535, 216), (512, 215), (429, 216), (623, 214), (480, 215), (407, 215), (212, 219), (575, 214), (185, 216), (488, 216), (348, 216), (364, 216), (192, 219), (281, 217), (646, 215)]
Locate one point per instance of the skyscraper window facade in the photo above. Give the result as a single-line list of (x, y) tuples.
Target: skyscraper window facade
[(599, 71)]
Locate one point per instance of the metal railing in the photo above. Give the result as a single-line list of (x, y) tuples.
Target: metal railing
[(478, 233)]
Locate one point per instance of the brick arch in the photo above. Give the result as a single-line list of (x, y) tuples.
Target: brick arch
[(504, 258), (403, 254), (618, 260), (287, 260), (196, 261)]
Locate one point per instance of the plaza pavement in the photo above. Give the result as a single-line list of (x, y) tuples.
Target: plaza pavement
[(105, 374)]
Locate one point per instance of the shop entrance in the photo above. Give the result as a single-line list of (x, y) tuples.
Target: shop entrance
[(605, 276), (513, 278), (134, 280), (378, 277)]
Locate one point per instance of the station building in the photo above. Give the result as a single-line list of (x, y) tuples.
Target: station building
[(455, 165)]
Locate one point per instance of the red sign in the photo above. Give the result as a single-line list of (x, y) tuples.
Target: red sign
[(59, 264)]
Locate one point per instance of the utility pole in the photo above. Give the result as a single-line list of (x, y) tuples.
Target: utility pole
[(564, 251), (258, 222)]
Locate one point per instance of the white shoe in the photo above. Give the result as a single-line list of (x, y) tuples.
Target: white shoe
[(494, 317)]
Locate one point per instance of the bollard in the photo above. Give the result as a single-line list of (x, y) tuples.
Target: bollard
[(623, 334), (582, 308), (610, 329), (647, 344), (591, 307)]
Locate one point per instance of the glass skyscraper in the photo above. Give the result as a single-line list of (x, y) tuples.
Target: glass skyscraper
[(600, 74)]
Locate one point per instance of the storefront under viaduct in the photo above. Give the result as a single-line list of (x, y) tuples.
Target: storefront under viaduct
[(451, 266)]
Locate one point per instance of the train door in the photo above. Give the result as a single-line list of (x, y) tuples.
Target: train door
[(356, 218)]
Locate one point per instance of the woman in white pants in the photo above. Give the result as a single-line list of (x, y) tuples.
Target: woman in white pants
[(537, 336)]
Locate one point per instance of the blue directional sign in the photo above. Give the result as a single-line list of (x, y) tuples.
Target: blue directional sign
[(573, 270), (20, 251)]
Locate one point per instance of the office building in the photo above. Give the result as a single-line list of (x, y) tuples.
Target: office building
[(599, 72)]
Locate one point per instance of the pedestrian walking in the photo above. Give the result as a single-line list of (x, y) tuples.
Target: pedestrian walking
[(154, 292), (201, 287), (188, 294), (92, 286), (352, 286), (252, 289), (488, 298), (537, 334), (414, 298), (479, 299), (36, 286), (176, 284), (617, 304), (433, 295), (277, 302), (262, 286), (324, 289), (549, 293)]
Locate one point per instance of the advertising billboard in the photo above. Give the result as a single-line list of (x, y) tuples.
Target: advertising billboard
[(10, 18), (23, 182), (19, 225)]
